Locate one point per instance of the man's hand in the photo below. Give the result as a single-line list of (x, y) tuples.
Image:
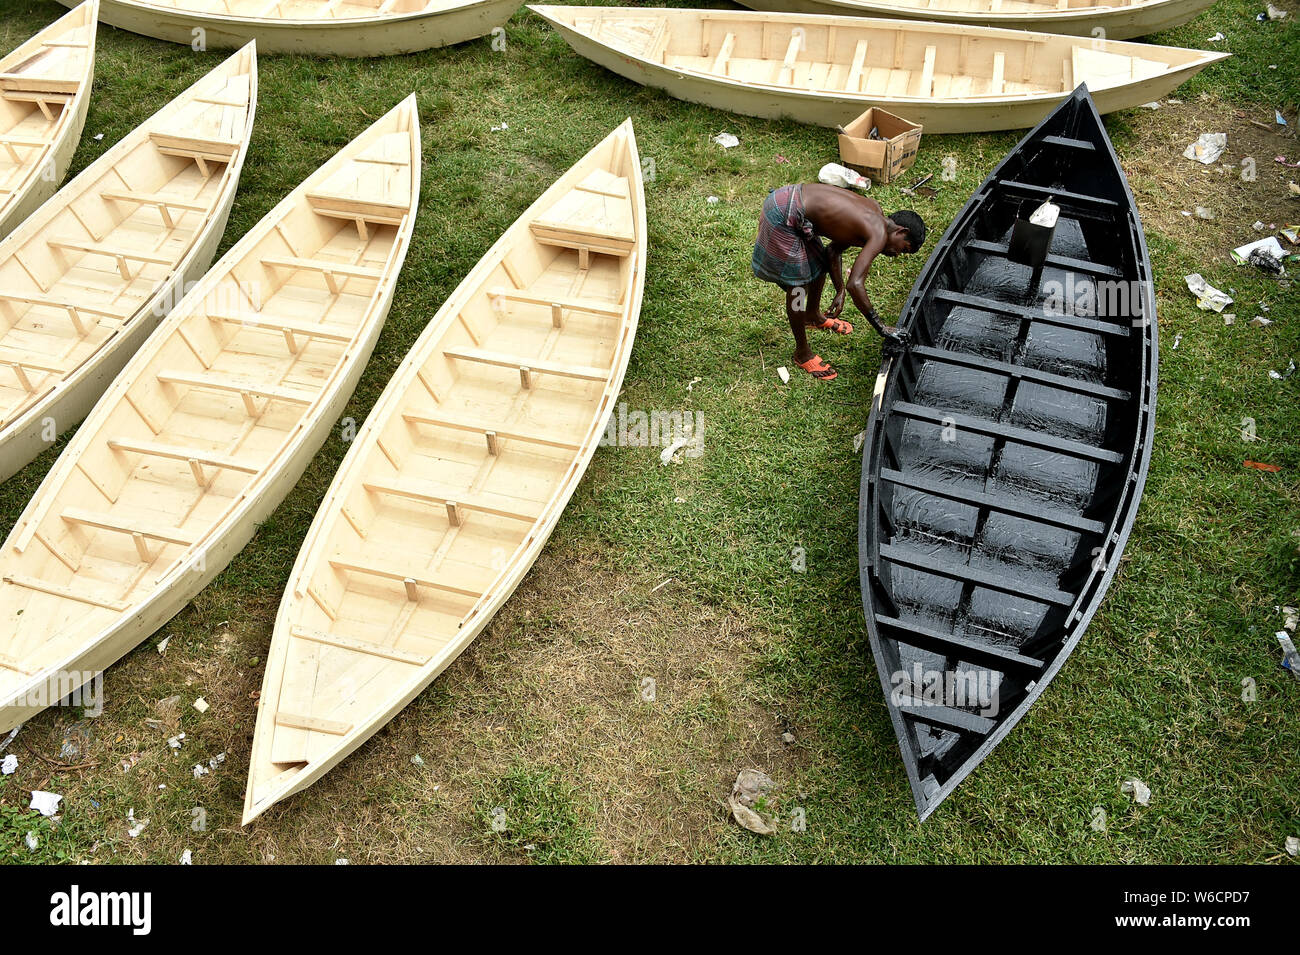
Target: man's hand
[(837, 306)]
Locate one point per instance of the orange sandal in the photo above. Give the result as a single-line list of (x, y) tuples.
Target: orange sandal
[(837, 325), (819, 369)]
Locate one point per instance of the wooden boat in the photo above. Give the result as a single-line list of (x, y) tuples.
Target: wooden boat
[(86, 278), (44, 93), (828, 70), (1117, 19), (453, 486), (313, 27), (209, 425), (1007, 449)]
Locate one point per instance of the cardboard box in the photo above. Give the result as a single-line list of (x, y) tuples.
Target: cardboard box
[(881, 159)]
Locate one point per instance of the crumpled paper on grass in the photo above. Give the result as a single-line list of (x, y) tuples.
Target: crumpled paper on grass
[(1207, 296), (747, 793), (1207, 148)]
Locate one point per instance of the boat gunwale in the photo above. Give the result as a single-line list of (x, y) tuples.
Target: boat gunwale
[(29, 521), (1029, 17), (1093, 589), (223, 200), (350, 474)]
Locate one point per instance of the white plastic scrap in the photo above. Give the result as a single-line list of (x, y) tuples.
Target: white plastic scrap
[(1154, 104), (1292, 845), (1269, 244), (1216, 38), (201, 705), (1207, 148), (501, 129), (1229, 318), (858, 440), (1138, 790), (1273, 13), (713, 200), (1291, 617), (417, 760), (176, 741), (726, 140), (1207, 296), (341, 862), (9, 764), (833, 174), (1283, 375), (216, 761), (784, 374), (666, 455), (33, 842), (187, 857), (137, 826), (1177, 338), (162, 644), (47, 804), (1203, 213), (10, 738), (1261, 321), (200, 770)]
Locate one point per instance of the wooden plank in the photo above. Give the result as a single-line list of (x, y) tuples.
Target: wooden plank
[(1005, 432), (997, 83), (591, 306), (359, 646), (466, 501), (329, 332), (964, 648), (527, 437), (1065, 262), (536, 366), (980, 303), (1001, 503), (990, 580), (1024, 372), (58, 590), (174, 452), (113, 522), (313, 724), (237, 386), (720, 62), (392, 573), (947, 717)]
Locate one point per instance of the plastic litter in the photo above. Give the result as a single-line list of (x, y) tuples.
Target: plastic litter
[(746, 801), (784, 374), (417, 760), (33, 843), (201, 705), (1261, 321), (858, 440), (666, 455), (1290, 657), (1241, 254), (713, 200), (1293, 845), (47, 804), (1229, 318), (1207, 296), (1273, 13), (9, 764), (10, 738), (1207, 148), (1203, 213), (176, 741), (1139, 790), (1154, 104), (501, 129), (1283, 375), (726, 140), (1291, 617), (1279, 118), (1261, 466), (833, 174), (162, 644), (1216, 38), (1177, 338), (187, 857), (137, 826)]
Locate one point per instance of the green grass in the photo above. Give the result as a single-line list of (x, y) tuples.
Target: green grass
[(743, 646)]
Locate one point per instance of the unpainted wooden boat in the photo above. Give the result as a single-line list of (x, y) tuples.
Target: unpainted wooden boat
[(86, 278), (454, 484), (1117, 19), (312, 27), (827, 70), (1007, 448), (209, 425), (44, 93)]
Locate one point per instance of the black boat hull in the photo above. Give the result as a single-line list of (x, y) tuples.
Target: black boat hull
[(1007, 449)]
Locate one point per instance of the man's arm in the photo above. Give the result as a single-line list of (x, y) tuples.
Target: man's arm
[(835, 253), (857, 282)]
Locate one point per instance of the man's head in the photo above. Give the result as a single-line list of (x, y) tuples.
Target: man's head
[(906, 233)]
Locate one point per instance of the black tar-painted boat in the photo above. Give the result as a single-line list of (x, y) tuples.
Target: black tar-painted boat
[(1007, 448)]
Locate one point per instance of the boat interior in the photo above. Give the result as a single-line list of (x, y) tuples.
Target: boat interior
[(1006, 457), (210, 404), (897, 58), (484, 441), (101, 248), (308, 10), (39, 82)]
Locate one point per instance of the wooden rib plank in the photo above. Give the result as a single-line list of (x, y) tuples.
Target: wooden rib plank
[(58, 590), (528, 437), (236, 386), (469, 502), (534, 365), (980, 363), (112, 522), (995, 429), (312, 724), (994, 657), (993, 502), (175, 452), (970, 575), (980, 303)]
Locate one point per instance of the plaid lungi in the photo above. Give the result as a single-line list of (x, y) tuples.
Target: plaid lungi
[(787, 250)]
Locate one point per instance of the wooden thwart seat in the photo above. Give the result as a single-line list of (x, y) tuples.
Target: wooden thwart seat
[(589, 305), (466, 502), (533, 365), (411, 581), (331, 271), (74, 310), (133, 527), (117, 253), (236, 386), (594, 216), (177, 453), (312, 723), (359, 646), (492, 434), (291, 328), (59, 590), (163, 203)]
